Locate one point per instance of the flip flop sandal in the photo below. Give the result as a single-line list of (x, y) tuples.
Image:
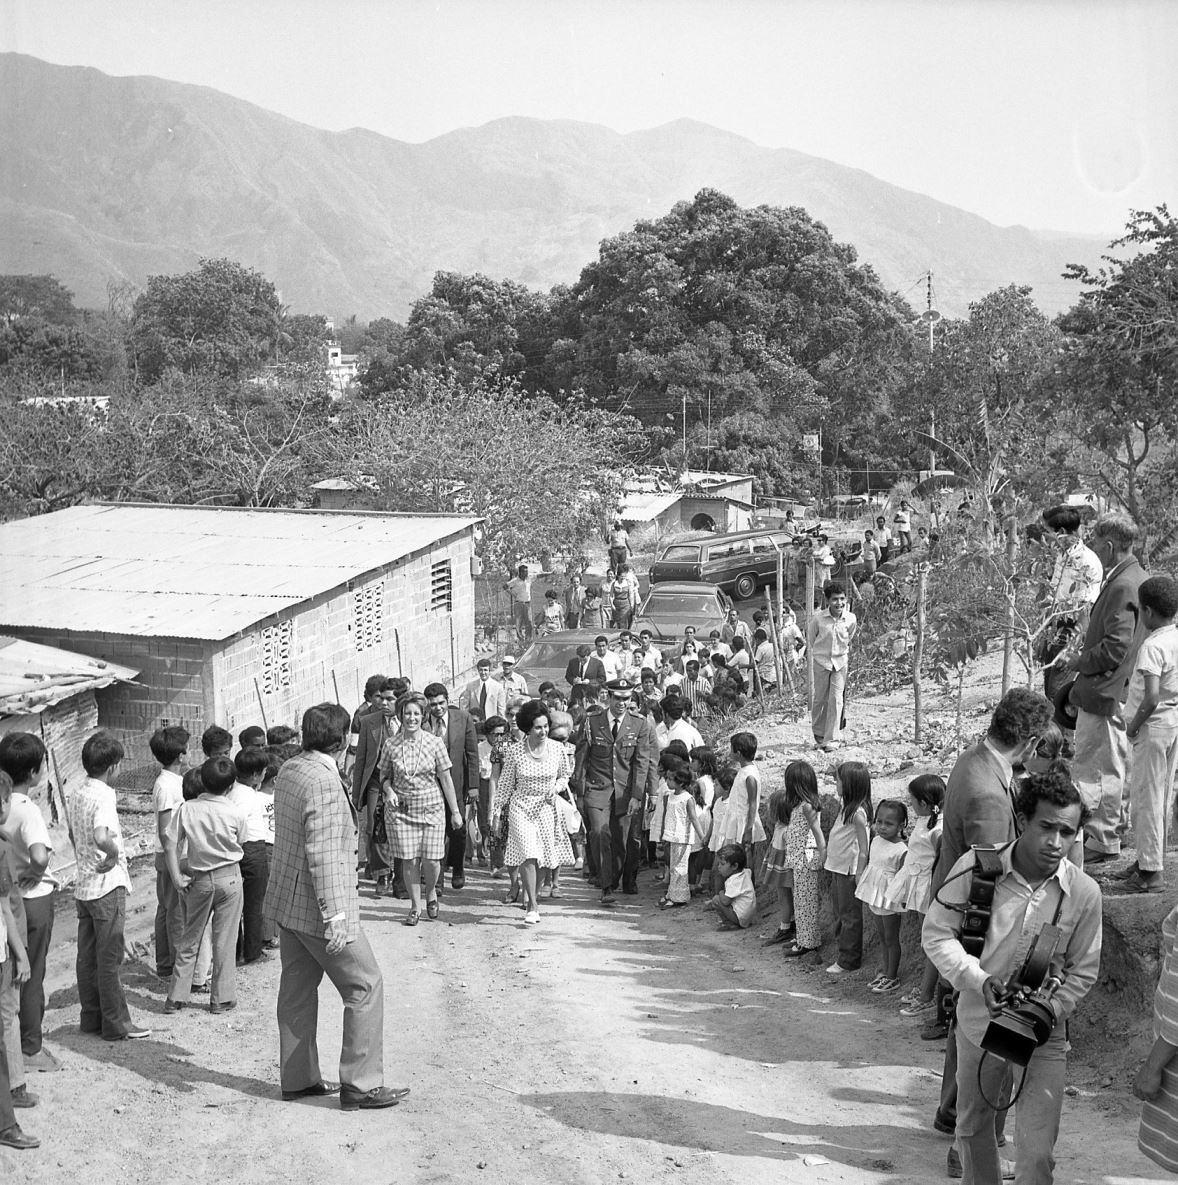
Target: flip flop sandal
[(431, 910), (412, 918)]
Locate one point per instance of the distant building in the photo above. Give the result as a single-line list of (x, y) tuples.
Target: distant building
[(341, 368), (52, 694), (695, 501), (232, 615)]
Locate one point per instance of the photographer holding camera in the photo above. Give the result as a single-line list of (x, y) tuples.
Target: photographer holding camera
[(1011, 1005)]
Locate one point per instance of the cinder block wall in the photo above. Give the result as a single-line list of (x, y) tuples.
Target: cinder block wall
[(330, 647)]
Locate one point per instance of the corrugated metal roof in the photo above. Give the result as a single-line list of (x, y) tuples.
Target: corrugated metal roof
[(640, 506), (33, 677), (190, 571)]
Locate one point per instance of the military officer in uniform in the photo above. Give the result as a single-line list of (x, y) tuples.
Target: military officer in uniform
[(616, 755)]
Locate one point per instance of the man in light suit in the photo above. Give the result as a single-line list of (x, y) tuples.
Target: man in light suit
[(457, 729), (484, 693), (311, 897), (616, 752), (1103, 669), (979, 809)]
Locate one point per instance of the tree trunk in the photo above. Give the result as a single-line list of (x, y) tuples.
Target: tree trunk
[(1008, 632), (960, 697), (778, 657), (809, 608), (918, 654)]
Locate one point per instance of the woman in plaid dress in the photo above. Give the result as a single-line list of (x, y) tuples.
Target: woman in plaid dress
[(415, 781), (527, 792)]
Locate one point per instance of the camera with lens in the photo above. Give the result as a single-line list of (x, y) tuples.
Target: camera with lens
[(1027, 1018)]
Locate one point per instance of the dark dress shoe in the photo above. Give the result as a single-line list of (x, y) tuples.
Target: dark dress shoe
[(779, 935), (22, 1098), (371, 1100), (224, 1006), (316, 1090), (130, 1035), (607, 897), (13, 1137), (458, 880), (173, 1005)]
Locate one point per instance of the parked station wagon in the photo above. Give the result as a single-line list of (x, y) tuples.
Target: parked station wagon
[(739, 563)]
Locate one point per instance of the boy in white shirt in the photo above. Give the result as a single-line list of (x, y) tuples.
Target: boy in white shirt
[(737, 904), (169, 746), (16, 968), (101, 885), (250, 766), (24, 759), (829, 635), (902, 520), (1151, 722)]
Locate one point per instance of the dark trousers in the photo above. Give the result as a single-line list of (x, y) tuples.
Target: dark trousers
[(7, 1115), (848, 920), (169, 918), (356, 976), (255, 876), (39, 917), (100, 953), (615, 844), (376, 865), (456, 841)]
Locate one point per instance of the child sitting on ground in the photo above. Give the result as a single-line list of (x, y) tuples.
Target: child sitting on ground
[(886, 855), (737, 903)]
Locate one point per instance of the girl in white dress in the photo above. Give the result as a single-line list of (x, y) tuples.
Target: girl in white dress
[(703, 768), (681, 818), (741, 822), (883, 862), (912, 887)]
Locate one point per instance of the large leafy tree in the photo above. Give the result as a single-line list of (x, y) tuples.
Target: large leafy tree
[(539, 474), (222, 319), (726, 310), (984, 386), (1119, 373), (43, 298)]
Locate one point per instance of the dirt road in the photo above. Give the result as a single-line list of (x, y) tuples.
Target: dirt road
[(599, 1046)]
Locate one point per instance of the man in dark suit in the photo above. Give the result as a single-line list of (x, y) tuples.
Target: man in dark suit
[(311, 897), (1103, 669), (375, 728), (616, 752), (576, 671), (457, 729), (979, 809)]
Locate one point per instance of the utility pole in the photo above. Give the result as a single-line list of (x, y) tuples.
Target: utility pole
[(684, 429)]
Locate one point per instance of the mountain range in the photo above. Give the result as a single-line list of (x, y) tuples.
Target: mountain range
[(110, 178)]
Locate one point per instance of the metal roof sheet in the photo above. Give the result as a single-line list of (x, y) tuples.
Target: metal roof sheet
[(34, 677), (641, 506), (190, 571)]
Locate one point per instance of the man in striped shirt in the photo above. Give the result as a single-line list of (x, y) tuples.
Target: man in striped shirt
[(696, 687)]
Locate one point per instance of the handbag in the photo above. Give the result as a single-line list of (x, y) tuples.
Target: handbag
[(380, 835)]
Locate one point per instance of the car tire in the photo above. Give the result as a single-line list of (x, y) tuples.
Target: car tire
[(745, 586)]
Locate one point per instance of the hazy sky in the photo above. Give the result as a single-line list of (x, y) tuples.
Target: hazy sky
[(1053, 113)]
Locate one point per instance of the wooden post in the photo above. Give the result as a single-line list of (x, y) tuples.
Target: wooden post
[(261, 706), (335, 684), (400, 666), (778, 657), (918, 653), (1008, 633), (809, 607)]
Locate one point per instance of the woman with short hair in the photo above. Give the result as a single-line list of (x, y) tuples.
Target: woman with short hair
[(532, 768), (417, 789)]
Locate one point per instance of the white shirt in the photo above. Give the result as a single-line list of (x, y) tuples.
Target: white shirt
[(738, 888), (252, 803), (520, 590), (685, 731), (1158, 656), (1076, 577), (514, 684), (166, 795), (615, 662), (24, 828), (1019, 911), (214, 826), (903, 520), (93, 805)]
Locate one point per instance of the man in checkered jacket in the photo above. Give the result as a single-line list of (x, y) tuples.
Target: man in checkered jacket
[(312, 899)]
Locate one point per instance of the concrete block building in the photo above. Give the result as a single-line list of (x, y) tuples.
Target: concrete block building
[(240, 616)]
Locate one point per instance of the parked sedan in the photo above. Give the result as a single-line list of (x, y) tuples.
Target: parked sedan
[(675, 604), (548, 656)]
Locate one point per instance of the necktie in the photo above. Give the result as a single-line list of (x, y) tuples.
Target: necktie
[(614, 727), (483, 700)]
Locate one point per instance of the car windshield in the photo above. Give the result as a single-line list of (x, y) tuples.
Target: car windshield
[(681, 605), (548, 654), (678, 553)]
